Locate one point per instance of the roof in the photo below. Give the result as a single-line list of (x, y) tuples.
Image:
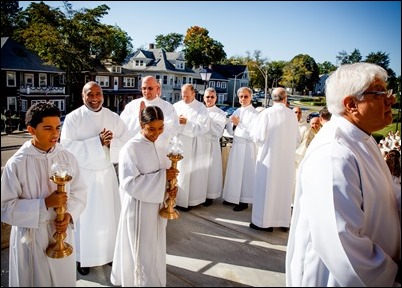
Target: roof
[(160, 60), (229, 71), (15, 56)]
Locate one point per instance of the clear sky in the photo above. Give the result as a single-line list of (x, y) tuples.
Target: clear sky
[(279, 29)]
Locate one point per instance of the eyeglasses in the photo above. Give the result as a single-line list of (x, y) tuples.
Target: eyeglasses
[(243, 96), (210, 97), (387, 93), (147, 88), (296, 112)]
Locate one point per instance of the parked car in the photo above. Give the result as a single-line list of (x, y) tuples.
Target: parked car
[(312, 115), (230, 111)]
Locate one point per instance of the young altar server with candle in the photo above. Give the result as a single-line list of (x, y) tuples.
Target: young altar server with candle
[(28, 200), (140, 252)]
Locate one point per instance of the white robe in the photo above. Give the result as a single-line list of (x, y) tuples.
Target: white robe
[(277, 134), (141, 237), (193, 168), (345, 229), (97, 226), (130, 117), (25, 184), (239, 178), (215, 172)]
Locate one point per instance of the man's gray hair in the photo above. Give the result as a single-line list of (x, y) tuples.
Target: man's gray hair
[(279, 94), (350, 80), (210, 89), (241, 89)]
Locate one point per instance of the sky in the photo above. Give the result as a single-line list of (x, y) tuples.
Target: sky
[(279, 29)]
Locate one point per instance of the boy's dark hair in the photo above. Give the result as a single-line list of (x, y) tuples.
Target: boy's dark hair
[(151, 113), (36, 112)]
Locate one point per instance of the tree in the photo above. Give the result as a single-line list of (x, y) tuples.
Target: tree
[(9, 15), (200, 49), (344, 58), (170, 42), (326, 67), (301, 73)]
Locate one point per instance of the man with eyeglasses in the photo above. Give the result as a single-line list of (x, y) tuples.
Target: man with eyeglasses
[(346, 228), (218, 121), (150, 88)]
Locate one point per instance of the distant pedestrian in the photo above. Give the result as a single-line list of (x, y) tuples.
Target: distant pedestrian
[(28, 200)]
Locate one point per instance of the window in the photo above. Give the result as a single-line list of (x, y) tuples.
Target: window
[(11, 79), (211, 84), (29, 80), (165, 79), (218, 84), (116, 69), (184, 80), (103, 81), (223, 85), (58, 103), (12, 103), (129, 82), (42, 79)]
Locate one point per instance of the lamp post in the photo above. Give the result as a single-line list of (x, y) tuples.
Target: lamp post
[(234, 88), (205, 76)]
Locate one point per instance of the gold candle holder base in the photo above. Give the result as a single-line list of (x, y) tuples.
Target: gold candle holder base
[(59, 249), (169, 212)]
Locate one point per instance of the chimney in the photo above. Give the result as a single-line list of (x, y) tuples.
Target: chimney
[(151, 46)]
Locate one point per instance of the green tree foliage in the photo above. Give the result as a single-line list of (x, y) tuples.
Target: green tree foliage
[(326, 67), (344, 58), (301, 73), (9, 16), (382, 59), (200, 49), (276, 72), (169, 42)]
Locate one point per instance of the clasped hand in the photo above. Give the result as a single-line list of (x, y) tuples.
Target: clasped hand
[(106, 137)]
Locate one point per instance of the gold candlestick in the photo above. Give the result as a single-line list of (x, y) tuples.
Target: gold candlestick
[(175, 155), (169, 212), (60, 249)]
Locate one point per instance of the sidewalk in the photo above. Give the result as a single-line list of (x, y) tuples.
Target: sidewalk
[(209, 247)]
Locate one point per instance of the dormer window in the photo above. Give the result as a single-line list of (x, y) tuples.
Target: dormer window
[(116, 69)]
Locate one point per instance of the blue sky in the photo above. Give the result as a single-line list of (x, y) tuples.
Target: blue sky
[(279, 29)]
